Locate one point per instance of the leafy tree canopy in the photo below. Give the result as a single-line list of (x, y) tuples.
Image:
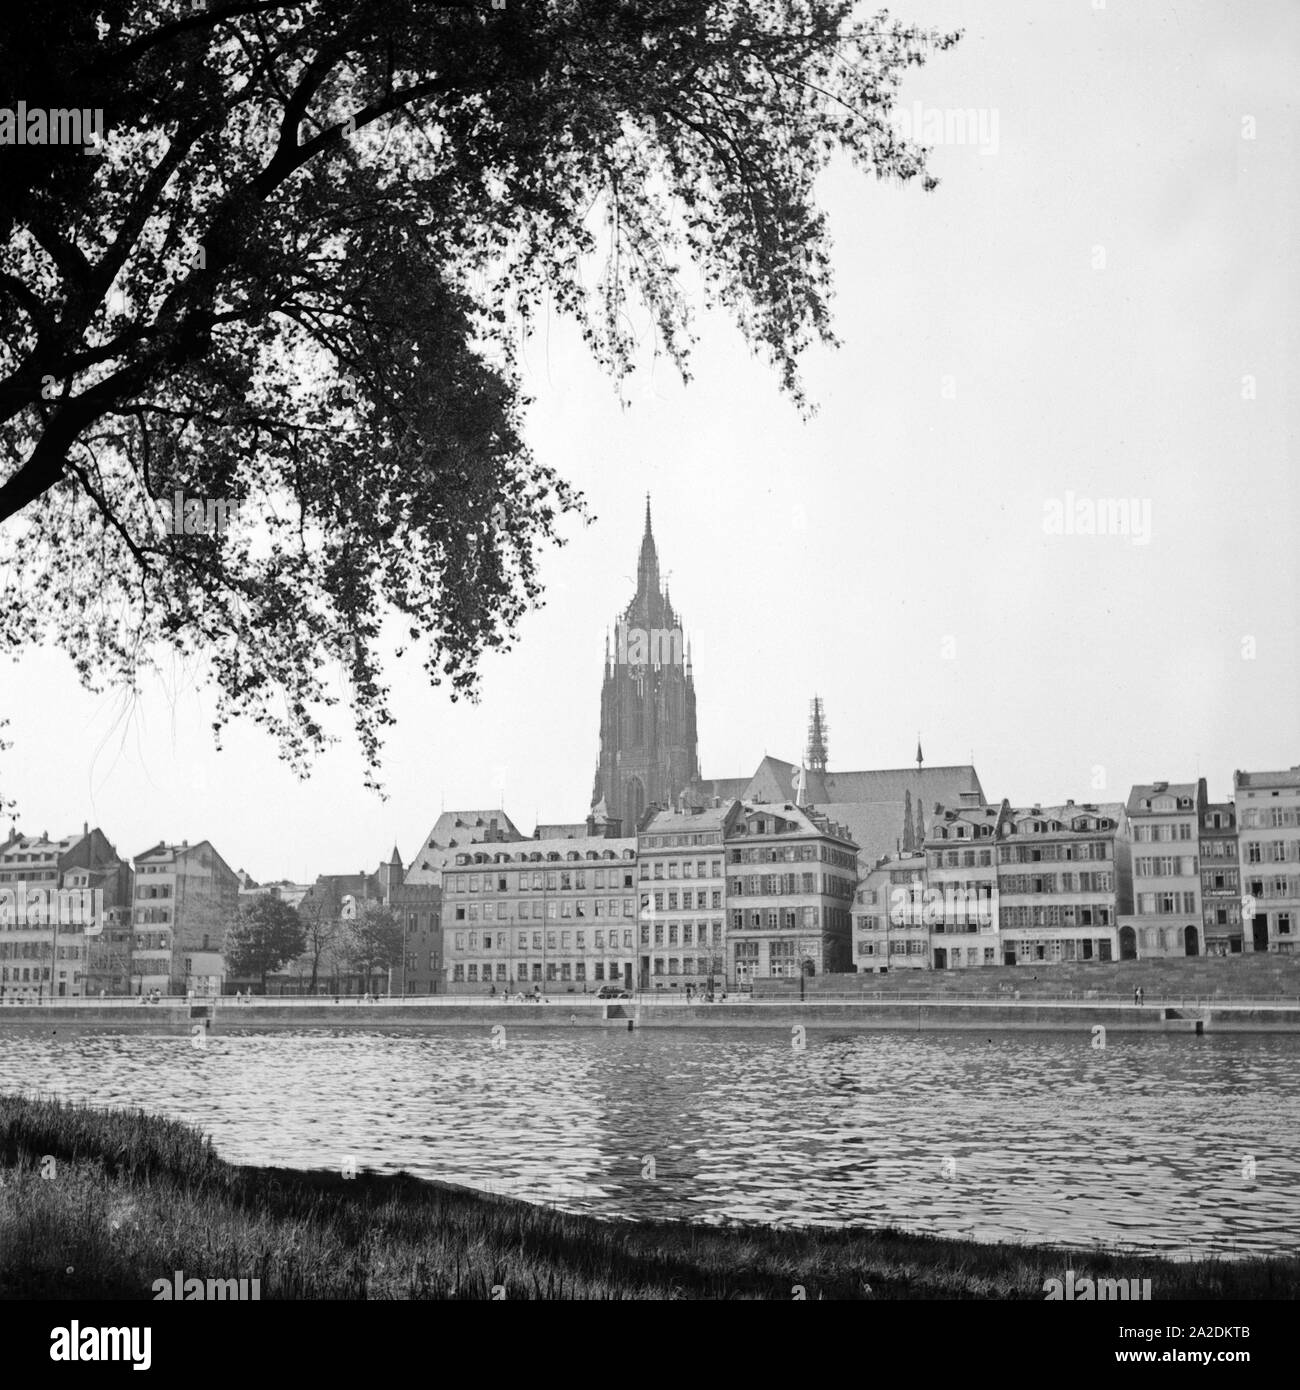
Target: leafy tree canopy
[(373, 942), (295, 278), (267, 935)]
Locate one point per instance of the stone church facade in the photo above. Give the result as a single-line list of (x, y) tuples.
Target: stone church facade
[(647, 706)]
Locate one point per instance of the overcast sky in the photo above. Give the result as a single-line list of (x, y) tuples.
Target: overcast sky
[(1097, 303)]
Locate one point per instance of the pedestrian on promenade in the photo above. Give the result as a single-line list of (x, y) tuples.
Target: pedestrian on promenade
[(1142, 994)]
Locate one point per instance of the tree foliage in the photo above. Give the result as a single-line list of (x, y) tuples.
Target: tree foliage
[(267, 935), (321, 932), (373, 943), (296, 279)]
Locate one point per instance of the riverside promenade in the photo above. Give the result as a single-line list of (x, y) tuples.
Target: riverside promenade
[(1241, 994), (181, 1017)]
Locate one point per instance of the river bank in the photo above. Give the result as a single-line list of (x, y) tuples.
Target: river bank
[(128, 1200), (213, 1018)]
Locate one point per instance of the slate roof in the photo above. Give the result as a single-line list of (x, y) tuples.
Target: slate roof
[(452, 831)]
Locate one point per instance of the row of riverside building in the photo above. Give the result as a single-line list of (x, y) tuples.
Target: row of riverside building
[(159, 922), (706, 896), (674, 880), (1168, 873)]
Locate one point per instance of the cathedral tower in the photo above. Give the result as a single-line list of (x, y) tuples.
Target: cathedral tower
[(647, 705)]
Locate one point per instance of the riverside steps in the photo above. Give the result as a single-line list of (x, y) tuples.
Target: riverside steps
[(1251, 994)]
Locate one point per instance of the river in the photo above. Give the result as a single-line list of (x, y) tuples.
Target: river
[(1172, 1144)]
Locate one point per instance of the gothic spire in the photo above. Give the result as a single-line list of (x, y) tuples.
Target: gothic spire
[(647, 571), (817, 730)]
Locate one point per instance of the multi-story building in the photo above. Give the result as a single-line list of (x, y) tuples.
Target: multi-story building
[(558, 915), (186, 898), (889, 930), (791, 878), (1268, 849), (108, 951), (327, 912), (681, 873), (1164, 824), (1064, 878), (961, 897), (46, 903), (647, 705), (417, 906), (1220, 879), (330, 910)]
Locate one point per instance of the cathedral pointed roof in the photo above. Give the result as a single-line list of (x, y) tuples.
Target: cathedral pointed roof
[(647, 570), (650, 606)]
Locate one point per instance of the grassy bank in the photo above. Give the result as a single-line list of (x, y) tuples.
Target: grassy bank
[(133, 1198)]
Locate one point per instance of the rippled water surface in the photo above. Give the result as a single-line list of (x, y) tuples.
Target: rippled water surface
[(1019, 1136)]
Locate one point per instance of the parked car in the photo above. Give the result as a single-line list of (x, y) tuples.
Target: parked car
[(613, 992)]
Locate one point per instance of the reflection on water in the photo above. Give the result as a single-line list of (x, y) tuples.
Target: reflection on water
[(1018, 1136)]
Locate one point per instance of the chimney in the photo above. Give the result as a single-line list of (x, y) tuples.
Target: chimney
[(85, 827), (717, 803)]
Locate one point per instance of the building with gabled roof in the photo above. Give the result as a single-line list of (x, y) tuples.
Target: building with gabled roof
[(1164, 824), (1064, 878), (791, 878), (872, 803), (452, 831), (44, 950), (963, 897), (681, 876), (186, 897), (1268, 848)]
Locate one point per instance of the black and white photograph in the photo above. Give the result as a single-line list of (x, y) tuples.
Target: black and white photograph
[(649, 652)]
